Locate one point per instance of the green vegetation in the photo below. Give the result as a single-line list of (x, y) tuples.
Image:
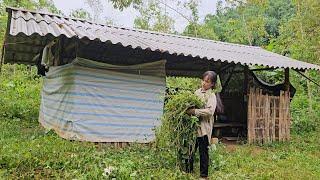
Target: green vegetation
[(28, 151), (20, 93), (179, 130)]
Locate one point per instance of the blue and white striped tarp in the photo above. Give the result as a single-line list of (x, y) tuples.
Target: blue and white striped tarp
[(98, 102)]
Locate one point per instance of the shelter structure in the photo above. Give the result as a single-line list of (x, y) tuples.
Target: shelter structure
[(106, 84)]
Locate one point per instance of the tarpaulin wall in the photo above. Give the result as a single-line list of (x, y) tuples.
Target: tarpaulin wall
[(92, 101)]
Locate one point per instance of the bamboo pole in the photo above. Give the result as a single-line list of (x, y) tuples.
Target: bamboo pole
[(254, 111), (282, 119), (273, 124), (249, 120), (267, 119)]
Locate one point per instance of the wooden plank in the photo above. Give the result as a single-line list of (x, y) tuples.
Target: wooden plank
[(254, 117), (281, 119), (232, 124), (267, 117), (262, 119), (261, 123), (249, 116), (273, 123), (288, 115), (285, 117)]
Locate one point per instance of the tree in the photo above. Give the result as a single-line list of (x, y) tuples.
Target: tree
[(121, 4), (300, 38), (48, 5), (80, 13), (153, 17), (97, 8), (194, 28)]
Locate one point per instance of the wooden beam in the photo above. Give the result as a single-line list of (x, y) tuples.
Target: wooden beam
[(263, 69), (20, 62), (15, 44), (20, 52), (246, 80), (307, 78), (286, 79), (184, 73), (2, 58)]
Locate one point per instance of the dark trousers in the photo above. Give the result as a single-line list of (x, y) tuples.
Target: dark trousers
[(202, 143)]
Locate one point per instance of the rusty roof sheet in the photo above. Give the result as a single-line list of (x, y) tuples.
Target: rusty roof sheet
[(30, 23)]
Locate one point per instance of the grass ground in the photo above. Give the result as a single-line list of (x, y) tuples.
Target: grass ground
[(28, 151)]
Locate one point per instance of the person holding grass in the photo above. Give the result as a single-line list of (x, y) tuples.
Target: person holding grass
[(206, 116)]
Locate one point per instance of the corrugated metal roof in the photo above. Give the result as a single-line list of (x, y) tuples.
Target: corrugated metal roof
[(29, 23)]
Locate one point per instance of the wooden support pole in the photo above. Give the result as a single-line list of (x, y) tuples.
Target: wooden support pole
[(2, 58), (246, 80), (286, 79), (286, 106), (248, 103), (61, 50)]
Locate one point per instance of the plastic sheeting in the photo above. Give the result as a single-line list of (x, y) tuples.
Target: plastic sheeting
[(98, 102)]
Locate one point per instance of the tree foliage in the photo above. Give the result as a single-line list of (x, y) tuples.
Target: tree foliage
[(121, 4), (81, 13), (153, 17)]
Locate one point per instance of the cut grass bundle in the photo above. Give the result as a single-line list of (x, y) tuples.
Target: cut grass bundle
[(179, 130)]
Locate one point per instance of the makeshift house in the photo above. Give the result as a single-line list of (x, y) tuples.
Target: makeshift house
[(107, 84)]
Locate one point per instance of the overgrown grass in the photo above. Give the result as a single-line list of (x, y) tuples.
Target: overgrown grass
[(28, 151), (20, 92)]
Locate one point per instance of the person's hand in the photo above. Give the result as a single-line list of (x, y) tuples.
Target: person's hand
[(191, 111)]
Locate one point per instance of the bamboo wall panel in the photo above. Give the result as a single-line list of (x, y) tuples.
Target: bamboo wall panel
[(268, 117)]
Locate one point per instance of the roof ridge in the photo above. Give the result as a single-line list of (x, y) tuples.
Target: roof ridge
[(9, 9), (190, 37)]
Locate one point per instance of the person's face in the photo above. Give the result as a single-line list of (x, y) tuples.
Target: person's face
[(206, 83)]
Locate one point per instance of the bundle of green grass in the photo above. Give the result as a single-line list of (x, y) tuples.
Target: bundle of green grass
[(179, 130)]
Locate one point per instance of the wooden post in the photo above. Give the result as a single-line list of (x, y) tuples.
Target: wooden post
[(58, 52), (246, 80), (250, 115), (247, 104), (287, 103), (61, 50), (267, 118), (273, 124), (286, 80), (2, 57)]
